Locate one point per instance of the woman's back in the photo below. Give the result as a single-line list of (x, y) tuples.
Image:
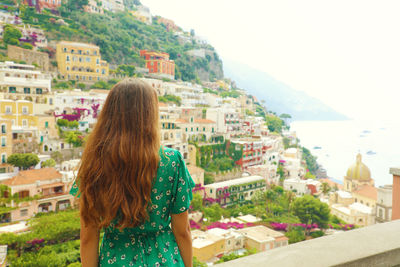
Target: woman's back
[(152, 243)]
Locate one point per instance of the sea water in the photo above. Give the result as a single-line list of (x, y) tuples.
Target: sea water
[(337, 143)]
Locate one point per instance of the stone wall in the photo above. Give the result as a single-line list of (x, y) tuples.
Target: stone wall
[(373, 246), (29, 56), (227, 175)]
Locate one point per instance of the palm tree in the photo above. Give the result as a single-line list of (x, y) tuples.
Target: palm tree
[(325, 188)]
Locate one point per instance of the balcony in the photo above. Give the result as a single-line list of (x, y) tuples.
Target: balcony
[(376, 245)]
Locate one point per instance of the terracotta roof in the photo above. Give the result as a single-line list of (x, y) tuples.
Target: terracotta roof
[(194, 169), (203, 121), (368, 191), (161, 104), (31, 176), (181, 121)]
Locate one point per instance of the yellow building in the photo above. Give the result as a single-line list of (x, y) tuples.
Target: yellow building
[(80, 61), (6, 145), (207, 246), (19, 112)]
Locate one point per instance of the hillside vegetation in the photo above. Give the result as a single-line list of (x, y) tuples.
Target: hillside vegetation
[(120, 38)]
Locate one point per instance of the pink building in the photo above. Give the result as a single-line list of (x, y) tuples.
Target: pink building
[(44, 190)]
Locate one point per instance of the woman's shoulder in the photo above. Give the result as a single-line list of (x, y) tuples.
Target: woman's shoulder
[(169, 154)]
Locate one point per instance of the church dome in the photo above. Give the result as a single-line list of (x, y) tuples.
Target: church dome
[(359, 171)]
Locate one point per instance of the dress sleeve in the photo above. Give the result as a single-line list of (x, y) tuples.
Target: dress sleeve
[(74, 189), (182, 188)]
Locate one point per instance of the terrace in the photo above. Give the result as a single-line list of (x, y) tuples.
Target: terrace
[(376, 245)]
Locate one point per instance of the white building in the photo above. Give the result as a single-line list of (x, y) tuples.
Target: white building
[(113, 5), (233, 239), (297, 186), (384, 204), (356, 213), (23, 82), (234, 191)]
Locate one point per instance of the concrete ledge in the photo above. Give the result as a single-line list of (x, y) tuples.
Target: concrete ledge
[(395, 171), (377, 245)]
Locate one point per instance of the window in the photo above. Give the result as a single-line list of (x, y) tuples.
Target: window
[(8, 110), (24, 123), (23, 212), (67, 67), (39, 91), (97, 70), (12, 89), (186, 129), (65, 49), (97, 61), (68, 59), (3, 141), (103, 71), (46, 124), (87, 59), (27, 90), (80, 59), (51, 101), (24, 110), (3, 128)]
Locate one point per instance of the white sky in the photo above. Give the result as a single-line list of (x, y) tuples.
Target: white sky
[(346, 53)]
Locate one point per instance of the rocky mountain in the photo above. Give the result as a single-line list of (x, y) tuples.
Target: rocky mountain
[(278, 96)]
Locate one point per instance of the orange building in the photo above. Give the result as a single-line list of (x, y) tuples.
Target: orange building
[(159, 63), (396, 193)]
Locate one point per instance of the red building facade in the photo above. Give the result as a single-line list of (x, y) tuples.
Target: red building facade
[(159, 63), (41, 4)]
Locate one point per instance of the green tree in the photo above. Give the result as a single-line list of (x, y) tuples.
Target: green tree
[(81, 86), (27, 46), (325, 188), (274, 123), (101, 85), (74, 138), (48, 163), (197, 263), (311, 210), (213, 213), (73, 5), (23, 161), (295, 235), (197, 202), (128, 70), (208, 178), (11, 35)]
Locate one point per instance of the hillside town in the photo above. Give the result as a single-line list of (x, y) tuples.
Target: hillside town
[(235, 148)]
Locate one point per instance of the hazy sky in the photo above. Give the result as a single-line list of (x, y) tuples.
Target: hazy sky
[(346, 53)]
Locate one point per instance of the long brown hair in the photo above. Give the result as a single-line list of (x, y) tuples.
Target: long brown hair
[(121, 157)]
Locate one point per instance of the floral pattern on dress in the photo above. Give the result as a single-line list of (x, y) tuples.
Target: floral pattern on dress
[(152, 243)]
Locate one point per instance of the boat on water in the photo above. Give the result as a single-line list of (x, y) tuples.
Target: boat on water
[(370, 152), (317, 147), (366, 132)]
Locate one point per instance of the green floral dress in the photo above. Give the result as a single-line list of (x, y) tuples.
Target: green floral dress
[(152, 243)]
